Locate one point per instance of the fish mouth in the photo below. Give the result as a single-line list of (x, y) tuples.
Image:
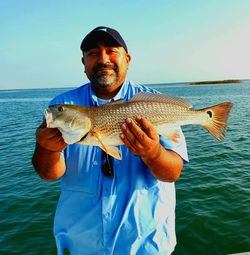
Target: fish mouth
[(49, 117)]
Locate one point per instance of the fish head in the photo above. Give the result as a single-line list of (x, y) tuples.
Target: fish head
[(71, 120), (57, 115)]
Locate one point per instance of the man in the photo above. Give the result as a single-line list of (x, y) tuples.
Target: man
[(108, 206)]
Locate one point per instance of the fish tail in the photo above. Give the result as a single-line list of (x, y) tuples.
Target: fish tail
[(216, 121)]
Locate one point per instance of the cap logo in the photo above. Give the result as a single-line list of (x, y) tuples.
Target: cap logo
[(103, 29)]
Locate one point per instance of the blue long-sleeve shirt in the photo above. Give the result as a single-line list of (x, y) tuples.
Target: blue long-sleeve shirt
[(132, 213)]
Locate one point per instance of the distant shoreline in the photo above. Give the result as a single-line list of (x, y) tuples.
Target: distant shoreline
[(147, 84), (214, 82)]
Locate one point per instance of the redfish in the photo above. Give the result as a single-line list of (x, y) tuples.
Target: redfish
[(100, 126)]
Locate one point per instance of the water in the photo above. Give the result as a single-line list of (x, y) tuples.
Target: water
[(213, 198)]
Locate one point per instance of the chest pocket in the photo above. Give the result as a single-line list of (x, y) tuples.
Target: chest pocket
[(82, 169)]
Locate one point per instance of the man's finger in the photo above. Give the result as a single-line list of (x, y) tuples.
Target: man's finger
[(137, 132), (147, 127), (48, 133), (58, 137), (127, 143), (131, 137)]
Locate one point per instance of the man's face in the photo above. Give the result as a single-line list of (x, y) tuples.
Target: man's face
[(106, 66)]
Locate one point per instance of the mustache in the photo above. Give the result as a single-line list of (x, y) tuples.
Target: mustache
[(99, 66)]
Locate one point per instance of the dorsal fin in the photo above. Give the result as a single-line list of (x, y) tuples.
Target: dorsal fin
[(151, 97)]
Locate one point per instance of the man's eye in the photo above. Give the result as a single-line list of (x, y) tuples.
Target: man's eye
[(113, 51), (92, 53)]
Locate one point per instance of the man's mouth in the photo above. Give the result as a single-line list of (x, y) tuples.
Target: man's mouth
[(101, 72), (104, 68)]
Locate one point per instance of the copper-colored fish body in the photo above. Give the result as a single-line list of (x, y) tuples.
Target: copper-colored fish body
[(166, 113)]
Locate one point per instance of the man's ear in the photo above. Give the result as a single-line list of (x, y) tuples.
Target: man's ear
[(83, 60), (128, 57)]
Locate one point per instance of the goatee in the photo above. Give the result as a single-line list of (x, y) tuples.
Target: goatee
[(105, 75)]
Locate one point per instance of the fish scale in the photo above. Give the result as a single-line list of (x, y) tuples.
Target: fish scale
[(157, 113)]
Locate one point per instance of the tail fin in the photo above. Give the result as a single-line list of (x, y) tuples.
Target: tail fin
[(216, 122)]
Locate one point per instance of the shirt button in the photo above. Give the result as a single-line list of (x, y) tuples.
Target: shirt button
[(106, 216)]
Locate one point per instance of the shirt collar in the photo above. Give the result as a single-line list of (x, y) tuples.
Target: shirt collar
[(120, 95)]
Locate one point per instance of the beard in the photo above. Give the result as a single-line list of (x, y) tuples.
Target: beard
[(104, 75)]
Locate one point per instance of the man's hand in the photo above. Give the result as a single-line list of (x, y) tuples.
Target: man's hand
[(47, 158), (50, 138), (141, 139)]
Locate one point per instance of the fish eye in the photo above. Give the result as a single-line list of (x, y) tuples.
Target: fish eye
[(60, 108), (210, 114)]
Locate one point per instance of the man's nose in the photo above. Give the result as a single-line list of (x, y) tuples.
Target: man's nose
[(103, 57)]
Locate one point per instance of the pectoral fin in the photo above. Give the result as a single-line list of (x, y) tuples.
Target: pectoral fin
[(109, 149), (170, 132), (173, 135), (112, 151)]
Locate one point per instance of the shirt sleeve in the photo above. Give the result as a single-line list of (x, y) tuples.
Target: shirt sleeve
[(180, 147)]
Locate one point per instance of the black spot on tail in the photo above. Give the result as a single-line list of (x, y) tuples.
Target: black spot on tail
[(210, 114)]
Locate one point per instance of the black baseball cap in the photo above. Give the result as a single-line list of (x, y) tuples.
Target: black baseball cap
[(109, 35)]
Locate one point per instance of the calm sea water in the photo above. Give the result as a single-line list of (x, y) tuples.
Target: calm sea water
[(213, 193)]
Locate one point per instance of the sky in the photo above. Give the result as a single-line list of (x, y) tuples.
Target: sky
[(169, 40)]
